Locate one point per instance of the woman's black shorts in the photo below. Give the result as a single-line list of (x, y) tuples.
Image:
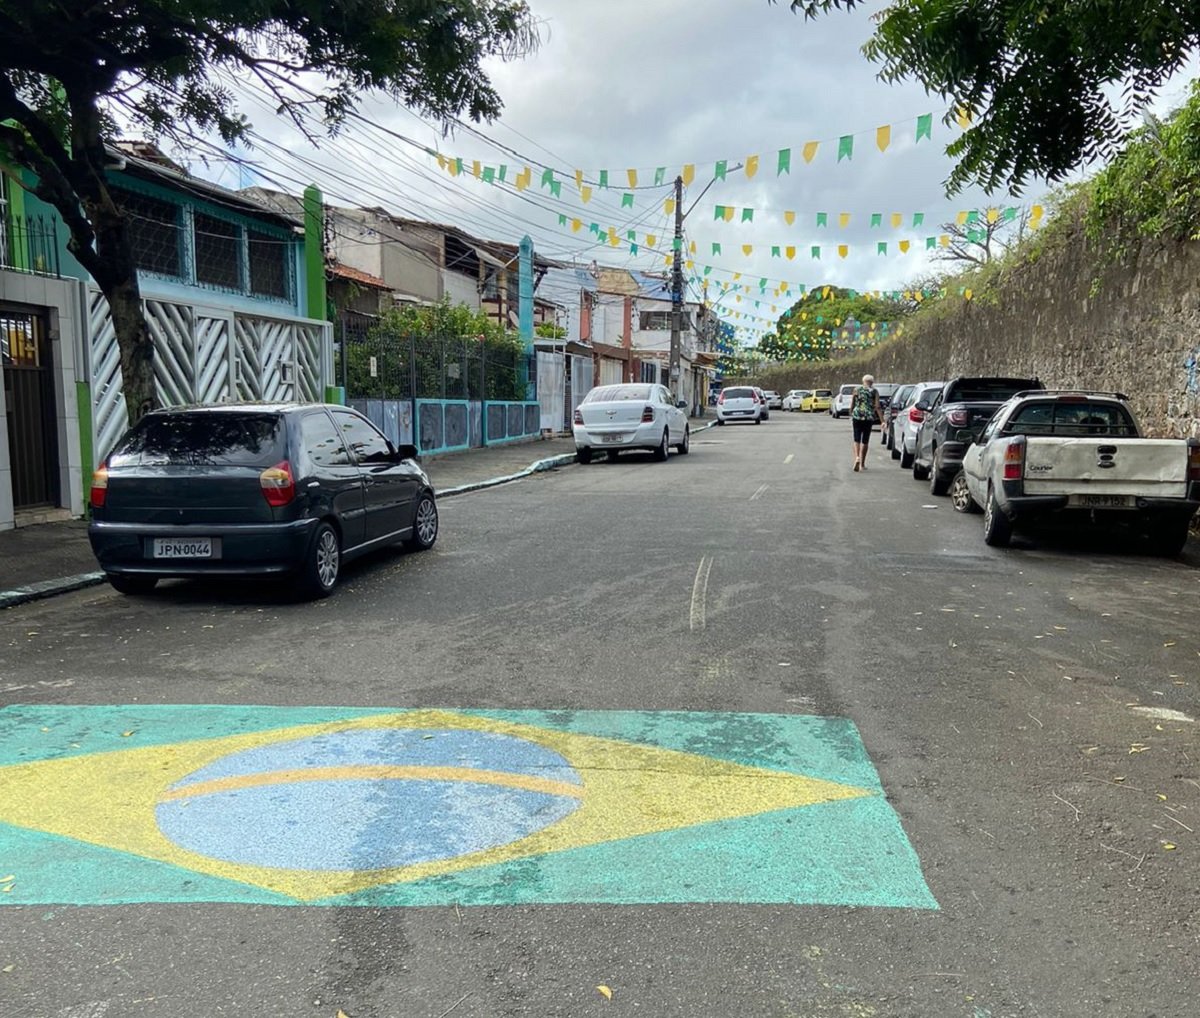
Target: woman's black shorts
[(862, 431)]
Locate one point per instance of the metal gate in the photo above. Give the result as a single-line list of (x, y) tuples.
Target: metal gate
[(28, 369), (550, 370), (207, 355), (580, 372)]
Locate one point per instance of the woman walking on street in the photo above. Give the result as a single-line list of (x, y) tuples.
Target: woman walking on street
[(864, 412)]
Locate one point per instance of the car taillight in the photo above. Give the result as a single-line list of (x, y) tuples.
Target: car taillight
[(1014, 460), (958, 418), (278, 485), (578, 416), (915, 415), (754, 397), (1193, 469), (721, 398), (648, 415), (99, 486)]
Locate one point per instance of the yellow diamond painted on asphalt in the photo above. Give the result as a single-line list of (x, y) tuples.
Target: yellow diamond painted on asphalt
[(317, 810)]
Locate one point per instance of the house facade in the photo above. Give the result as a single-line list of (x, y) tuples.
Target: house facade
[(224, 293)]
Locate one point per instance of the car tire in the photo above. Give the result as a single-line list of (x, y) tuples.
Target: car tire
[(895, 451), (758, 420), (720, 423), (1168, 540), (684, 447), (322, 564), (960, 495), (584, 455), (906, 458), (611, 455), (939, 483), (919, 472), (425, 523), (124, 583), (663, 452), (997, 529)]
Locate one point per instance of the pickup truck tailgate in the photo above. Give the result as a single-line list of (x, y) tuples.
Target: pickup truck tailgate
[(1147, 467)]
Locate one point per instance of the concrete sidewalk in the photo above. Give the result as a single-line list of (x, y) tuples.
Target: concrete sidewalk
[(52, 558)]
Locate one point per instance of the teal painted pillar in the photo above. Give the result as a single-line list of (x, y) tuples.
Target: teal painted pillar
[(525, 294), (314, 252)]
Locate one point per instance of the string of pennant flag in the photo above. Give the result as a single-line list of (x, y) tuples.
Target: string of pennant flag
[(633, 178)]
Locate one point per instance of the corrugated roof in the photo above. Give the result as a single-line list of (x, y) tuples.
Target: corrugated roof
[(357, 276)]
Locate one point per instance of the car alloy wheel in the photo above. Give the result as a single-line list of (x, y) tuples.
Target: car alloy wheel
[(425, 524), (319, 574), (663, 452), (960, 495)]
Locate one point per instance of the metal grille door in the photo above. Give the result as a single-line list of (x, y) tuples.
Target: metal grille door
[(28, 370)]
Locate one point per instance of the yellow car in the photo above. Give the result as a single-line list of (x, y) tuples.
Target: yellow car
[(817, 400)]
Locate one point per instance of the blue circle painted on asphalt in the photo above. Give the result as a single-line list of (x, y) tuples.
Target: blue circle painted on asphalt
[(368, 822)]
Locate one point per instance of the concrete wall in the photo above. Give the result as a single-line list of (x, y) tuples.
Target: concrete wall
[(1133, 327)]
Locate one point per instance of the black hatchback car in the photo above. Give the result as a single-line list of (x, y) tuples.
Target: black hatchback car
[(254, 489)]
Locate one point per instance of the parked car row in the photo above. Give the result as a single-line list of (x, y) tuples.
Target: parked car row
[(1025, 456), (808, 401)]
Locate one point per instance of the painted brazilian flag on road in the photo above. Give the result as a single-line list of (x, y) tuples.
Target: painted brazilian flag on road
[(341, 806)]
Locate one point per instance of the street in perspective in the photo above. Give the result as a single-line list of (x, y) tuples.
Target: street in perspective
[(745, 564)]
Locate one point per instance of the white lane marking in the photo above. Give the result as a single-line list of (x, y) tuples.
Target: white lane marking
[(758, 494), (788, 458), (696, 615)]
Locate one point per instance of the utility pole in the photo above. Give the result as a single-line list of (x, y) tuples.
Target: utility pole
[(677, 289)]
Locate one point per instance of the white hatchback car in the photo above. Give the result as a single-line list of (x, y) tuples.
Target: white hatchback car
[(616, 418), (740, 403), (842, 401), (794, 400)]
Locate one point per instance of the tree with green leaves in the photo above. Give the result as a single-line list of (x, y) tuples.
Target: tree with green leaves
[(1031, 76), (829, 320), (72, 70)]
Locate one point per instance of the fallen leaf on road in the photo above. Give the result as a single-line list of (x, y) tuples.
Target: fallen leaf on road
[(1061, 629), (607, 993), (1119, 777), (1161, 797), (1168, 846), (5, 880), (342, 1014), (1169, 643), (8, 968), (126, 735), (1138, 747)]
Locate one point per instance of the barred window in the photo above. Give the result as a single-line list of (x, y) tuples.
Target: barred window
[(218, 246), (268, 265), (660, 321), (154, 232)]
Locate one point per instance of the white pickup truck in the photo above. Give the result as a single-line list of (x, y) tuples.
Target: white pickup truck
[(1078, 458)]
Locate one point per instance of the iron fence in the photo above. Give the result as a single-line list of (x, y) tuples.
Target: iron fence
[(29, 244), (374, 363)]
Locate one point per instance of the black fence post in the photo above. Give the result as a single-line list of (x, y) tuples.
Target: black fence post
[(412, 387), (483, 393), (345, 364)]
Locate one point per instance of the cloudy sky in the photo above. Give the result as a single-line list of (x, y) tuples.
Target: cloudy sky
[(643, 84)]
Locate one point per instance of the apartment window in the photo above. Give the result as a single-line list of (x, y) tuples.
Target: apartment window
[(268, 264), (660, 321), (154, 232), (218, 249)]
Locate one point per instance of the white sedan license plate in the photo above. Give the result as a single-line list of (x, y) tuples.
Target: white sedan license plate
[(1103, 501), (617, 437), (191, 547)]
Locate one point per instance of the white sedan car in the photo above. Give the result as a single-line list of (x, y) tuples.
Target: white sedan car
[(615, 418)]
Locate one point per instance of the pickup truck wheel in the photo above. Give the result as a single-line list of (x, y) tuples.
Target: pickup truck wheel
[(997, 530), (960, 495), (1168, 539)]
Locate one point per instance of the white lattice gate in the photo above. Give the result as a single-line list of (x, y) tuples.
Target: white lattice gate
[(206, 355)]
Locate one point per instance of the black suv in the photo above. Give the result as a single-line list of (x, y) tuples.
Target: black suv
[(264, 489), (955, 420)]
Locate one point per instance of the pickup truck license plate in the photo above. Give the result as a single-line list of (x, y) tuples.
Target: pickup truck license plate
[(192, 547), (1103, 501)]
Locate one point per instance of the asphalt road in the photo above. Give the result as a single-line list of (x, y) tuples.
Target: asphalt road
[(1016, 706)]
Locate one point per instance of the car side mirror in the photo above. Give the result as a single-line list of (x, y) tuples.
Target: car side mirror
[(681, 404), (407, 452), (923, 406)]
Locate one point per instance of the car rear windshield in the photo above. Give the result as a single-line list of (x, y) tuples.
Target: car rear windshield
[(847, 390), (823, 392), (984, 390), (214, 438), (739, 393), (618, 393), (1072, 419)]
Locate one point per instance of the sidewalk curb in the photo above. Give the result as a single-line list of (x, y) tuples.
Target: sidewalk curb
[(66, 584), (48, 588)]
